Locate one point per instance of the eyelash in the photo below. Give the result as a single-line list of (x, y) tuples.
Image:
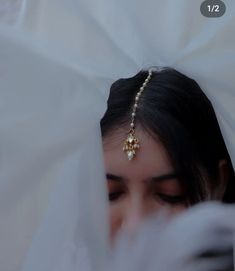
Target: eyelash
[(114, 196), (169, 199)]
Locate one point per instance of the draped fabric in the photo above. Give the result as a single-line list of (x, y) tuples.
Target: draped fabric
[(55, 71), (51, 160), (130, 35), (10, 11)]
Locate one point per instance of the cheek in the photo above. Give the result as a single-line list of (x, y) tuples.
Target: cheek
[(154, 207), (173, 212), (115, 219), (176, 210), (117, 213)]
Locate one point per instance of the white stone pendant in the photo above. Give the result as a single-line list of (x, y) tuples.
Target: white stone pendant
[(131, 144)]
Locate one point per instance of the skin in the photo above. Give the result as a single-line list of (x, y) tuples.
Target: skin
[(140, 187), (145, 185)]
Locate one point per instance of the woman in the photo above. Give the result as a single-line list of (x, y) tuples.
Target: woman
[(162, 148)]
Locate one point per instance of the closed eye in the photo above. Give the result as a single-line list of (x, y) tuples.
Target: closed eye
[(114, 196), (177, 199)]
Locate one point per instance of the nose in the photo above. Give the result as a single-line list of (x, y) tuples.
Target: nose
[(135, 213)]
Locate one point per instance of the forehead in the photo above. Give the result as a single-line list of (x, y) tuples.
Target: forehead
[(151, 158)]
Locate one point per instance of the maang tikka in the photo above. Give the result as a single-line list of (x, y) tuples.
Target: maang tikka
[(132, 144)]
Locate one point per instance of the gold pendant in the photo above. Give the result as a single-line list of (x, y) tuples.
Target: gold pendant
[(131, 144)]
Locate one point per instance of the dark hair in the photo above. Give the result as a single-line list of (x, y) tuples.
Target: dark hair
[(174, 109)]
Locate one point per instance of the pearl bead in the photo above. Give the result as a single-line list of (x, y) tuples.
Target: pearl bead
[(133, 114), (132, 124), (135, 105)]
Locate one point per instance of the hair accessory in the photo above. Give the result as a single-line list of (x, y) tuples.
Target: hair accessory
[(131, 144)]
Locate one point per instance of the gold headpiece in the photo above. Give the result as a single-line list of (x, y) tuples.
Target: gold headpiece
[(131, 144)]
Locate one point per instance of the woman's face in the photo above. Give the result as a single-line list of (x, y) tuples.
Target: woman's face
[(142, 186)]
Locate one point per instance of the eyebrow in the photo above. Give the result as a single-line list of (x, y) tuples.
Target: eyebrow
[(115, 178), (160, 178)]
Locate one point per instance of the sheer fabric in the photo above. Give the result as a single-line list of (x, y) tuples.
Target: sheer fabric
[(51, 160), (55, 71), (130, 35), (10, 11)]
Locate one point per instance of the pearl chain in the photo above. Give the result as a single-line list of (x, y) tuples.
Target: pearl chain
[(137, 97), (131, 143)]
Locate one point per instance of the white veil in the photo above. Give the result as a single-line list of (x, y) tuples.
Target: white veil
[(130, 35), (55, 75)]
